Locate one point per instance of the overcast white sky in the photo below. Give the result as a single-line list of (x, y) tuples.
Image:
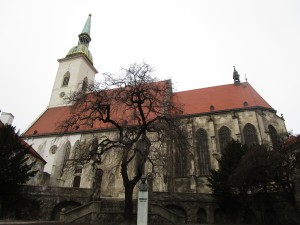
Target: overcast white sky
[(193, 42)]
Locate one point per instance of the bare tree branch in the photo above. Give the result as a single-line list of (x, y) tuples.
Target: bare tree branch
[(138, 108)]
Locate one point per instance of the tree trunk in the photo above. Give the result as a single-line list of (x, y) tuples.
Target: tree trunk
[(128, 210), (130, 184)]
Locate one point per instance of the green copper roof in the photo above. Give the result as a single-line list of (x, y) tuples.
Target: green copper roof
[(82, 47), (87, 27), (80, 50)]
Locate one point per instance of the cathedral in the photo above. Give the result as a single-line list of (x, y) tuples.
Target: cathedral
[(213, 116)]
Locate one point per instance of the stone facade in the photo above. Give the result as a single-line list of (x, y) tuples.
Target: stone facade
[(193, 181)]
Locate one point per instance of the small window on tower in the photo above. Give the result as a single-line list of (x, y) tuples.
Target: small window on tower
[(66, 79), (84, 84)]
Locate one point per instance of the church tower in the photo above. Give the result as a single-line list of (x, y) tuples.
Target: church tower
[(75, 70)]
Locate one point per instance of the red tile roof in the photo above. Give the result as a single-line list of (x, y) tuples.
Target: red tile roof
[(224, 97), (198, 101), (49, 121)]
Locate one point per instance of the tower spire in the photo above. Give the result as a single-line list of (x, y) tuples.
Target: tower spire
[(82, 47), (84, 37)]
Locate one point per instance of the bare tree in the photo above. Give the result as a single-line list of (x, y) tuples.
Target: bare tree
[(140, 110)]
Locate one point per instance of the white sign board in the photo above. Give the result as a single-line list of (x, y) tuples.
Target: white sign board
[(142, 217)]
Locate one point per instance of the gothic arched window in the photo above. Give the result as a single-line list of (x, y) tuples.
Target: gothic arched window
[(66, 79), (203, 153), (78, 166), (76, 151), (275, 139), (68, 149), (66, 156), (94, 145), (224, 137), (93, 149), (180, 161), (250, 135), (84, 84)]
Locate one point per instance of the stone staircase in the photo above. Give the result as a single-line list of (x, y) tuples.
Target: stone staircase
[(85, 212), (167, 214), (100, 212)]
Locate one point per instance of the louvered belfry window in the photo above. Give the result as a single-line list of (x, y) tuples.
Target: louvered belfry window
[(66, 79)]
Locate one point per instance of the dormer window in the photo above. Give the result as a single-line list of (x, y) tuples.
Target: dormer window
[(66, 79)]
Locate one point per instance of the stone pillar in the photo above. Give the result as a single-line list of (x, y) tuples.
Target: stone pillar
[(236, 127), (213, 145), (211, 133), (193, 183), (142, 213), (62, 216), (262, 127)]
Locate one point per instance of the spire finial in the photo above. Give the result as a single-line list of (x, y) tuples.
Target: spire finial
[(236, 76), (87, 26)]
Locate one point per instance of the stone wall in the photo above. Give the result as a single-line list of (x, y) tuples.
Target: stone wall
[(43, 203), (46, 203), (191, 180)]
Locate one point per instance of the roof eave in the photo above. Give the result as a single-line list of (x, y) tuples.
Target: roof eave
[(227, 110)]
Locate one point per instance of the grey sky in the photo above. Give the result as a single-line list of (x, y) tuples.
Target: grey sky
[(195, 43)]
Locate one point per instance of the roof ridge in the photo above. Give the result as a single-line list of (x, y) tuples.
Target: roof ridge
[(209, 87)]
